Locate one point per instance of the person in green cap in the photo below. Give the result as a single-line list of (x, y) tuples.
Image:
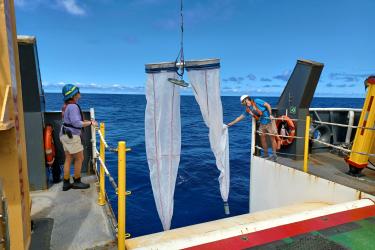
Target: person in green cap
[(70, 136)]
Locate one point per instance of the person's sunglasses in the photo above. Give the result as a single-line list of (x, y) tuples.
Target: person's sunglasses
[(244, 102)]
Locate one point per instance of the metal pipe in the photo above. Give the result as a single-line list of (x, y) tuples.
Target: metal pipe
[(121, 194), (349, 131), (253, 128), (101, 198), (306, 153), (93, 137)]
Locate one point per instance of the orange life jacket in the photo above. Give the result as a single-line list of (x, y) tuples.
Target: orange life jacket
[(256, 112)]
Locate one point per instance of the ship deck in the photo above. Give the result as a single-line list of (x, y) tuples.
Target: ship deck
[(352, 229), (333, 168), (71, 219)]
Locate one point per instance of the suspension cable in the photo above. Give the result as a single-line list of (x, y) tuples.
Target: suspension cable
[(180, 57)]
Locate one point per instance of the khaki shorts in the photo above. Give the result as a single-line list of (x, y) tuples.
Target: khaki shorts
[(72, 146), (268, 128)]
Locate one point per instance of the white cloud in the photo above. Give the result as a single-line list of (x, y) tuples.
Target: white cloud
[(69, 6), (95, 87), (72, 7)]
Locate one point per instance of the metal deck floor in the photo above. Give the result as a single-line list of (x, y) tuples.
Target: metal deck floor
[(333, 168), (352, 235), (78, 222)]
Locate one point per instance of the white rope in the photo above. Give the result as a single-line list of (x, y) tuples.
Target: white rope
[(111, 149), (342, 125), (102, 139), (282, 119), (102, 163), (343, 149), (111, 180), (286, 136)]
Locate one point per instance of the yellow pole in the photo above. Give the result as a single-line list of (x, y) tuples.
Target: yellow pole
[(364, 138), (101, 198), (306, 153), (121, 194)]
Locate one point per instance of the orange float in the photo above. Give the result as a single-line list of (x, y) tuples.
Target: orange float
[(49, 146), (285, 127)]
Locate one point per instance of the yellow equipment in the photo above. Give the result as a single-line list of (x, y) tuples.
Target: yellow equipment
[(365, 136), (13, 159)]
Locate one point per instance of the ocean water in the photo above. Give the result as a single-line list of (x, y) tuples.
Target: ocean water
[(197, 198)]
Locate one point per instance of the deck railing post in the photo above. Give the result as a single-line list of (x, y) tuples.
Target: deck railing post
[(306, 153), (101, 198), (121, 194)]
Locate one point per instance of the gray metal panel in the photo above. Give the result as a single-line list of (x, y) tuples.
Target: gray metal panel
[(35, 151), (33, 105), (296, 99), (54, 118), (301, 86), (33, 95)]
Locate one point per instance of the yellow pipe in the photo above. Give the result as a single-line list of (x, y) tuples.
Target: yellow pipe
[(101, 198), (306, 153), (121, 194)]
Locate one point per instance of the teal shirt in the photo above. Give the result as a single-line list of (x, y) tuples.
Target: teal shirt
[(264, 119)]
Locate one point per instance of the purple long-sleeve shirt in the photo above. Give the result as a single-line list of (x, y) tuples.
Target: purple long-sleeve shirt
[(72, 116)]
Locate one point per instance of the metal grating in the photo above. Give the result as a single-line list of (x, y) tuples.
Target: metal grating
[(305, 242)]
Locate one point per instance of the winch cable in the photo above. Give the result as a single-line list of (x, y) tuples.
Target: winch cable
[(180, 60), (180, 57)]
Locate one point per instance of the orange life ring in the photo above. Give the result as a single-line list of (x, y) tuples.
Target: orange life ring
[(49, 146), (285, 127)]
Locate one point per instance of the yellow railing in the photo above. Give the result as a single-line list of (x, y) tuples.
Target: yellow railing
[(120, 189), (306, 152)]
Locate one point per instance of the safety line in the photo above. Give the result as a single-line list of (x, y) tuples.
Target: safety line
[(286, 136), (343, 149), (324, 143), (109, 148), (342, 125), (282, 119), (320, 122), (278, 153), (111, 180)]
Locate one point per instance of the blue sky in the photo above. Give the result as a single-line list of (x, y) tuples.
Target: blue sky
[(102, 45)]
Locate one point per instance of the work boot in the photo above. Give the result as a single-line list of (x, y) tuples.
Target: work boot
[(77, 184), (67, 185), (273, 158)]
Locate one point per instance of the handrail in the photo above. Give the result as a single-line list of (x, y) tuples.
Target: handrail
[(320, 122), (120, 187), (307, 138)]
